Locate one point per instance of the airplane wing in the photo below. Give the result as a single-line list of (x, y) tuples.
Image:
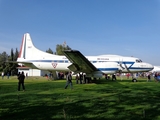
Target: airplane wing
[(28, 64), (79, 62)]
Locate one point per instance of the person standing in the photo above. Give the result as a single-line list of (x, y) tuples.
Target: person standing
[(26, 75), (77, 78), (106, 76), (127, 75), (8, 75), (21, 78), (69, 80), (18, 74), (80, 77), (113, 77), (149, 77), (2, 75)]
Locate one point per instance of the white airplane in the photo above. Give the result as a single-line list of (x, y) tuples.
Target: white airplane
[(156, 69), (93, 66)]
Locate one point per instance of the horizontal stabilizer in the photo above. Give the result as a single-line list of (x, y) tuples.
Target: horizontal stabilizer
[(28, 64)]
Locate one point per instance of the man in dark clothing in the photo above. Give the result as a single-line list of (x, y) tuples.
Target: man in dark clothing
[(21, 78), (113, 77), (149, 77), (80, 77), (69, 80)]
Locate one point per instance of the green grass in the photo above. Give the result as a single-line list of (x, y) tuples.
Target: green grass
[(48, 100)]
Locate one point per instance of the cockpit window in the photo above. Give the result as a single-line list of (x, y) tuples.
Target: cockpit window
[(138, 60)]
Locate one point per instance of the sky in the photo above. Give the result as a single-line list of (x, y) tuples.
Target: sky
[(94, 27)]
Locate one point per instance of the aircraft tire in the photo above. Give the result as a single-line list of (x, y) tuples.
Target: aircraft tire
[(134, 80)]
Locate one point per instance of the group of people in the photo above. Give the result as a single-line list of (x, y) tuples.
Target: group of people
[(2, 74), (21, 78), (157, 77), (107, 76), (80, 78)]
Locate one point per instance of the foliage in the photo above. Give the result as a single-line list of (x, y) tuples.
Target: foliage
[(50, 51), (5, 65), (3, 57), (61, 48)]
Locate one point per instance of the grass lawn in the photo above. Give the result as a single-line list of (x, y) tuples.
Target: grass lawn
[(110, 100)]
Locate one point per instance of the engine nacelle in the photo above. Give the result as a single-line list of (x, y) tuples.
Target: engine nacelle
[(97, 74), (107, 67)]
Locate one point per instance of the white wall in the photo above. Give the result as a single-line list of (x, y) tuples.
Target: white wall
[(33, 72)]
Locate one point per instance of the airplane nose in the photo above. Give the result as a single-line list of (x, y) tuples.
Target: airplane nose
[(151, 67)]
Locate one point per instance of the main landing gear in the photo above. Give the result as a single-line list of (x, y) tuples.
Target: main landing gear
[(134, 80)]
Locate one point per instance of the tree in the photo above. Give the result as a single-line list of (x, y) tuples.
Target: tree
[(16, 55), (3, 59), (9, 66), (14, 69), (6, 65), (12, 55), (49, 51), (61, 48)]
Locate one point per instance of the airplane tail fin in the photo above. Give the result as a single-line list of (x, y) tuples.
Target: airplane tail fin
[(29, 51)]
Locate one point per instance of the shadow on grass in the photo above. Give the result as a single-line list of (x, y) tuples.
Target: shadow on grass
[(103, 100), (107, 107)]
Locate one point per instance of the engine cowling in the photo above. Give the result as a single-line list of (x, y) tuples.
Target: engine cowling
[(107, 67), (96, 74)]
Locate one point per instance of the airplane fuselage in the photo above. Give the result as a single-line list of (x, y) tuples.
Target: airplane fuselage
[(106, 65)]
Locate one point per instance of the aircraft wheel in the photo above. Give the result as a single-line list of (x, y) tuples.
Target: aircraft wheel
[(134, 80)]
